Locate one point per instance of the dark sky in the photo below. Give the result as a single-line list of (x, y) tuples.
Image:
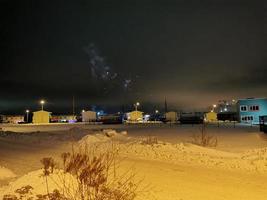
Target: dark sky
[(111, 53)]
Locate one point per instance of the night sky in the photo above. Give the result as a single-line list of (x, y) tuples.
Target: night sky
[(114, 53)]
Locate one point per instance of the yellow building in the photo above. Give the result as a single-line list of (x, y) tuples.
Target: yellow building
[(41, 117), (171, 116), (211, 116), (135, 116)]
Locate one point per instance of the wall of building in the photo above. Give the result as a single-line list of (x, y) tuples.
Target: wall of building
[(89, 116), (249, 110)]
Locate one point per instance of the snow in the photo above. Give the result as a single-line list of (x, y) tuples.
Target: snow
[(6, 173), (171, 165)]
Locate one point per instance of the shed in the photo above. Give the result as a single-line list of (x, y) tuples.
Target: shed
[(41, 117), (211, 116), (171, 116), (135, 116), (89, 116)]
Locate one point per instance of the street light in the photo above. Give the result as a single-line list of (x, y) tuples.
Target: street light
[(156, 111), (27, 116), (83, 111), (136, 105), (42, 102)]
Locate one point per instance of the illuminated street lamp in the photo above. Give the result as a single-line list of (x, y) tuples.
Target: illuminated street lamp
[(136, 105), (156, 111), (83, 111), (42, 102), (27, 116), (213, 107)]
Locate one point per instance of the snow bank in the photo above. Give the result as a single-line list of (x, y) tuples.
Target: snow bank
[(37, 181), (186, 153), (6, 173)]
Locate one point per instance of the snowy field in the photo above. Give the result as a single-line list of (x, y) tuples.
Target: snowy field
[(164, 157)]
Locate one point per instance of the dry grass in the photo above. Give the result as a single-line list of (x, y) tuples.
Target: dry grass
[(204, 139), (84, 176)]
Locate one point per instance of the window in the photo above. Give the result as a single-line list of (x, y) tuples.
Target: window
[(243, 108), (247, 118), (254, 108)]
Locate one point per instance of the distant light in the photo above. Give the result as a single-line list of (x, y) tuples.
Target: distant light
[(27, 111), (137, 103), (98, 113), (156, 111), (225, 109), (214, 105), (83, 111), (42, 102)]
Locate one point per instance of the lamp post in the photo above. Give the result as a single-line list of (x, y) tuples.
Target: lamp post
[(42, 102), (156, 114), (27, 116), (136, 105), (214, 106)]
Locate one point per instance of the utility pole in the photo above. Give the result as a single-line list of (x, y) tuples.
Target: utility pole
[(165, 106), (73, 106)]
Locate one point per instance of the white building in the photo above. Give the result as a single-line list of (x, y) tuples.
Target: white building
[(89, 116)]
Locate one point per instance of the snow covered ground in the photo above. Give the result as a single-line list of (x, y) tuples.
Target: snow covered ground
[(162, 156)]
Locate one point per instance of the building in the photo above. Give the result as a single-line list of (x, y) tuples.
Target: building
[(89, 116), (135, 116), (111, 119), (250, 109), (41, 117), (191, 117), (63, 118), (211, 116), (12, 119), (171, 116)]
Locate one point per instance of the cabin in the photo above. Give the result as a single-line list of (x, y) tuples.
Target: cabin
[(210, 116), (135, 116), (89, 116), (41, 117), (171, 116), (250, 110)]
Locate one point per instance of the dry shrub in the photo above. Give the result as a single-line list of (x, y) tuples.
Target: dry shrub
[(55, 195), (85, 176), (204, 139), (10, 197), (95, 177), (150, 140), (24, 191)]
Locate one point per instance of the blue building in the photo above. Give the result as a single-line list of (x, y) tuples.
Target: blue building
[(250, 109)]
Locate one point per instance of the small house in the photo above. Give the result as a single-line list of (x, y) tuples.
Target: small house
[(211, 116), (171, 116), (41, 117), (135, 116), (89, 116)]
